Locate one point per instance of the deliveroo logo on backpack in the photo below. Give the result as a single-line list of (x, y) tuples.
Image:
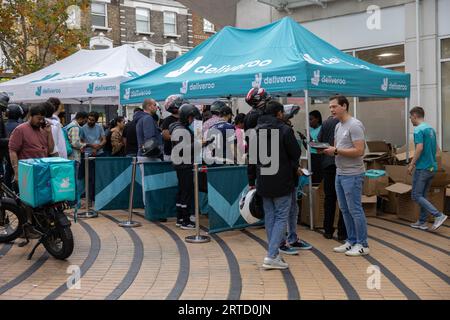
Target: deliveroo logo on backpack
[(38, 91), (90, 88), (65, 183)]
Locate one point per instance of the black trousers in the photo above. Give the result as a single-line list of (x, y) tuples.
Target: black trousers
[(316, 167), (185, 194), (329, 178)]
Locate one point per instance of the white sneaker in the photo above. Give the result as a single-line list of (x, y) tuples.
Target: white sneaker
[(439, 221), (344, 248), (419, 225), (277, 263), (357, 250)]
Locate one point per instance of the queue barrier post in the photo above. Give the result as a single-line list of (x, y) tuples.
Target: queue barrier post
[(130, 223), (89, 213), (197, 238)]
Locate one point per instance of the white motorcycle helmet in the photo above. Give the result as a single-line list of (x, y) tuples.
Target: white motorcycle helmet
[(250, 207)]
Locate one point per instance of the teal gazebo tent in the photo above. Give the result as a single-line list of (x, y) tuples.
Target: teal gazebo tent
[(283, 57)]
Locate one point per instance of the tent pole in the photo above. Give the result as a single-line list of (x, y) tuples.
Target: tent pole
[(90, 104), (407, 128), (355, 103), (308, 138)]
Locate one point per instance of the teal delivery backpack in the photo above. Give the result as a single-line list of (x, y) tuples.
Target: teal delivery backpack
[(46, 180)]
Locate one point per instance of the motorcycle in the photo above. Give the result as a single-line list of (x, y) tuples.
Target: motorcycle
[(49, 222)]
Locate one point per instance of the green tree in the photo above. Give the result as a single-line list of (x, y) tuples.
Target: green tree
[(35, 33)]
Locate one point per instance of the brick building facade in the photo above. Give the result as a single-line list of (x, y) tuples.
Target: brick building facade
[(160, 29)]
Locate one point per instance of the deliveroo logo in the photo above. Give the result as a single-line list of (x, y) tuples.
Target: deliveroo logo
[(38, 91), (316, 79), (187, 66), (133, 74), (90, 88), (258, 81), (185, 87), (47, 77), (126, 95), (65, 183), (385, 84)]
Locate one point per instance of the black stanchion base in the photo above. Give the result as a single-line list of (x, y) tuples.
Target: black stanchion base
[(198, 239), (87, 215)]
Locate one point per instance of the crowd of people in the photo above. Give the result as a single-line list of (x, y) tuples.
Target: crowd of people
[(146, 136)]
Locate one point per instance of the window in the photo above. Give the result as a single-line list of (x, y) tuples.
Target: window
[(385, 56), (146, 52), (170, 23), (142, 20), (372, 111), (98, 15), (208, 26), (445, 92), (171, 55)]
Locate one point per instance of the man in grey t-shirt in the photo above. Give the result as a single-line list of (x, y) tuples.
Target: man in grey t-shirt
[(348, 149)]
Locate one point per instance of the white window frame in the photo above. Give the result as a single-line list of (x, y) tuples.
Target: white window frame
[(205, 29), (173, 47), (441, 60), (100, 40), (106, 28), (149, 21), (146, 45), (166, 35)]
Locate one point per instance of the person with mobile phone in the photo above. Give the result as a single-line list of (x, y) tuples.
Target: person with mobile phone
[(32, 139)]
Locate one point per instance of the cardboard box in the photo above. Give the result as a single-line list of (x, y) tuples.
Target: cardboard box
[(445, 161), (398, 174), (400, 201), (369, 205), (318, 207), (375, 186), (389, 203), (408, 209), (400, 153), (379, 154)]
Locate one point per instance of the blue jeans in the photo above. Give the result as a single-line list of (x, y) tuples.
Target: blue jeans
[(292, 220), (421, 185), (276, 212), (349, 190)]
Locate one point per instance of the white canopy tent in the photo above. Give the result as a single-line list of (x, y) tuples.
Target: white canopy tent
[(91, 76)]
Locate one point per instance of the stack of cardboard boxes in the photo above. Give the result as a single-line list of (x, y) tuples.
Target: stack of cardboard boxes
[(398, 198), (380, 154), (373, 188), (318, 196)]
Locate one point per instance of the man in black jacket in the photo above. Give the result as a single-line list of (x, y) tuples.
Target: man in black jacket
[(183, 149), (326, 134), (130, 136), (276, 188)]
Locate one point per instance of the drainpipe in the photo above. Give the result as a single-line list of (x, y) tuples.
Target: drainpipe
[(418, 70)]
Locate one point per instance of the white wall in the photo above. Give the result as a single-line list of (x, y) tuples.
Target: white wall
[(350, 31), (252, 14), (443, 17)]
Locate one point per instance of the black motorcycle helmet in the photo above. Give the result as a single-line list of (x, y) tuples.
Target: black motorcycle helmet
[(187, 110), (174, 102), (4, 99), (15, 111), (257, 97), (217, 107)]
